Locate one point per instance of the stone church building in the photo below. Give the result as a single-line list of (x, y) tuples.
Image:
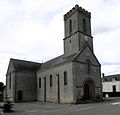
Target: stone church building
[(69, 78)]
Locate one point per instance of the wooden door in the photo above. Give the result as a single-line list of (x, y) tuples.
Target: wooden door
[(86, 91), (20, 95)]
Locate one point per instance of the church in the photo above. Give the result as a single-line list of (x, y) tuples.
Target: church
[(68, 78)]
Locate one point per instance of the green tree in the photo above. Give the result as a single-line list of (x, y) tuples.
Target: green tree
[(2, 86)]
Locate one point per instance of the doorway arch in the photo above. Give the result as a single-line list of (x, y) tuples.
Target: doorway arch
[(89, 89), (20, 95)]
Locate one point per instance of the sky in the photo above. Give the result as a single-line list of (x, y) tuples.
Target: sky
[(33, 30)]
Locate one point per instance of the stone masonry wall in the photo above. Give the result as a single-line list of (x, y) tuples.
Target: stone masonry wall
[(66, 92), (27, 83)]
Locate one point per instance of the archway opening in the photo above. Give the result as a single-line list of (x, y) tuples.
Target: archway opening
[(89, 90), (20, 95), (86, 91)]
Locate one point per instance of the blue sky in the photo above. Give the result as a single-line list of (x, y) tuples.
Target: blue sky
[(34, 30)]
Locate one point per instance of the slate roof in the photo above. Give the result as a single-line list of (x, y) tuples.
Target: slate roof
[(22, 65), (56, 61), (61, 60), (109, 78)]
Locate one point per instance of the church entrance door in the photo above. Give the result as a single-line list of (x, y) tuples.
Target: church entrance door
[(20, 94), (86, 91), (89, 90)]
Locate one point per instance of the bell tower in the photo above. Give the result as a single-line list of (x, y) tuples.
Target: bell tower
[(77, 23)]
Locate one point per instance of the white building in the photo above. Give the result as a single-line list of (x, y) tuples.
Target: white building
[(111, 85)]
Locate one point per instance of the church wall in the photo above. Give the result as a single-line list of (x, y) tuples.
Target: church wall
[(74, 24), (10, 90), (72, 41), (83, 41), (81, 74), (26, 82), (88, 23), (66, 91), (87, 54), (70, 45)]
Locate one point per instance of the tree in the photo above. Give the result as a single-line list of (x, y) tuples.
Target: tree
[(2, 86)]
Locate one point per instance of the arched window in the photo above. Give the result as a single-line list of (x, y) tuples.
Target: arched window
[(70, 26), (65, 78), (84, 25), (39, 82), (10, 81), (51, 82), (88, 64)]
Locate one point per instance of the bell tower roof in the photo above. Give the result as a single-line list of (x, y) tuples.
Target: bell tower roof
[(74, 9)]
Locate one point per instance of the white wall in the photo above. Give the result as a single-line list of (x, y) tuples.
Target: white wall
[(108, 86)]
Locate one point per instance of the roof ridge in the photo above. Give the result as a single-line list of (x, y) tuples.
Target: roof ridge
[(53, 59), (111, 75), (24, 60)]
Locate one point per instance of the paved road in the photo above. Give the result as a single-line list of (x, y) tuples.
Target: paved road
[(110, 106)]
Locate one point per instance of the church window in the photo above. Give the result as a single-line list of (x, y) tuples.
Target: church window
[(51, 81), (65, 78), (10, 81), (81, 67), (39, 82), (70, 26), (88, 64), (84, 25)]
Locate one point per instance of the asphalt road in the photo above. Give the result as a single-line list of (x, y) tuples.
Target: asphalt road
[(110, 106)]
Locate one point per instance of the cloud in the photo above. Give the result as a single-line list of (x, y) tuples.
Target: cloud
[(107, 45), (34, 30), (30, 29), (106, 31), (111, 69)]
